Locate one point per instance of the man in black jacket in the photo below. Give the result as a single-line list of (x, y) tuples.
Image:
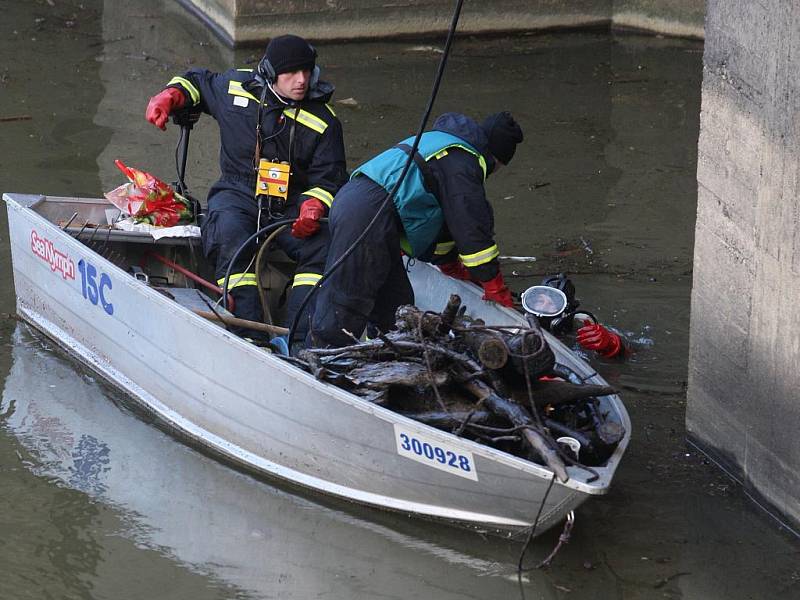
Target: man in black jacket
[(440, 208), (277, 113)]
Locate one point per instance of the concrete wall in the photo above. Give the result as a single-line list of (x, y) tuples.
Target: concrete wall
[(680, 18), (242, 22), (744, 369)]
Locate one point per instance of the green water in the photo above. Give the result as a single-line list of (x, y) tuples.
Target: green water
[(97, 504)]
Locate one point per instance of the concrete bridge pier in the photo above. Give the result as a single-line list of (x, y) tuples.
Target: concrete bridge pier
[(744, 366), (244, 22)]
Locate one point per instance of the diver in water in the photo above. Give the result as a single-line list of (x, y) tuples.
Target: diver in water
[(554, 304)]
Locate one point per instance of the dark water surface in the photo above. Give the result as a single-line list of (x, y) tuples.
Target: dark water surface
[(95, 503)]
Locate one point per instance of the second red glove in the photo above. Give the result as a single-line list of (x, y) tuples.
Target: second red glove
[(456, 270), (497, 291), (594, 336), (307, 223)]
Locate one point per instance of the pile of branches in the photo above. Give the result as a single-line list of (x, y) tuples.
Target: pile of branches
[(497, 385)]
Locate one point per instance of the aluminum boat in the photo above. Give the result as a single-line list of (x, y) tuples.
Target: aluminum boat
[(77, 283)]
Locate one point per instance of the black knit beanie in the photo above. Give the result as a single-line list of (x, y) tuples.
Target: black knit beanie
[(287, 53), (504, 134)]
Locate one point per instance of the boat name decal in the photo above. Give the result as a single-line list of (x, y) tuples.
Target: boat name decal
[(58, 261), (434, 453)]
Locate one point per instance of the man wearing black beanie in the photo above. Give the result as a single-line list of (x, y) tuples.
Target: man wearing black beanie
[(504, 134), (277, 113), (285, 55), (440, 214)]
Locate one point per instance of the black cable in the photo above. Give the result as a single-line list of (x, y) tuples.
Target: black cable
[(390, 195), (259, 140), (265, 229), (181, 184), (532, 533)]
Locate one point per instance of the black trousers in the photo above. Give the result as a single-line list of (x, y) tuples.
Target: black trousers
[(232, 218), (372, 282)]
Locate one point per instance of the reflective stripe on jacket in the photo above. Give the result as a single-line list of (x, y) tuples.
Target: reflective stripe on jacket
[(309, 127)]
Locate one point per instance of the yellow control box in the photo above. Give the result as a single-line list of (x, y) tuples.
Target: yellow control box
[(273, 179)]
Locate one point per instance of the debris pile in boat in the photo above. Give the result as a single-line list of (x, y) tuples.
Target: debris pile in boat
[(499, 386)]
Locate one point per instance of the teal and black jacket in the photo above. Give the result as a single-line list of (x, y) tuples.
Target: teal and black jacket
[(307, 134), (442, 204)]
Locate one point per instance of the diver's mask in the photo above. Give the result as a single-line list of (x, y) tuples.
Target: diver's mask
[(553, 303)]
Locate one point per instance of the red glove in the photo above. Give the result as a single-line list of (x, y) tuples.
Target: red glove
[(162, 104), (307, 223), (456, 270), (594, 336), (496, 291)]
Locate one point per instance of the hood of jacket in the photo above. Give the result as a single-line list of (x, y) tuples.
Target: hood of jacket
[(322, 91), (468, 130)]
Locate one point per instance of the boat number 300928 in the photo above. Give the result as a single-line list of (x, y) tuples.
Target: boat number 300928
[(434, 453), (95, 285)]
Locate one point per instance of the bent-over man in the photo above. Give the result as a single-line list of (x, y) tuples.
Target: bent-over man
[(442, 195)]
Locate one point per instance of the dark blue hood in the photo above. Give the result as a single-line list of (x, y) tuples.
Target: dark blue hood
[(469, 131)]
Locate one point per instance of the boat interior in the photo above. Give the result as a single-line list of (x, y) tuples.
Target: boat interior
[(175, 266)]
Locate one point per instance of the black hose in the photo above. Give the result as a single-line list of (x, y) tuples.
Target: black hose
[(390, 195), (262, 231)]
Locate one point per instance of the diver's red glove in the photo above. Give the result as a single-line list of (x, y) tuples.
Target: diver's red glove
[(307, 223), (594, 336), (497, 291), (162, 104), (456, 270)]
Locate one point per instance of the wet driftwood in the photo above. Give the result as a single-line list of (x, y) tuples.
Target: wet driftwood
[(452, 419), (487, 346), (407, 374), (551, 393), (519, 417), (455, 373)]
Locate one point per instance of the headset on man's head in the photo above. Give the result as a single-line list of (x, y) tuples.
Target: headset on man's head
[(267, 71)]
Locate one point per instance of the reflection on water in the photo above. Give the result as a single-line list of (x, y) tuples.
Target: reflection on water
[(210, 519)]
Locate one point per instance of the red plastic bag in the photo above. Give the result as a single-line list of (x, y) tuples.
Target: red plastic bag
[(148, 199)]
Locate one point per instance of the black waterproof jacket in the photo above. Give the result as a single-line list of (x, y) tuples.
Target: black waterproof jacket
[(469, 219), (307, 133)]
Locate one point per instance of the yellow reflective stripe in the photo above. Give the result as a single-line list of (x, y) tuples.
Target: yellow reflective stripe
[(443, 152), (246, 70), (444, 248), (482, 163), (480, 258), (305, 279), (307, 119), (405, 246), (330, 109), (321, 194), (238, 280), (194, 93), (235, 89)]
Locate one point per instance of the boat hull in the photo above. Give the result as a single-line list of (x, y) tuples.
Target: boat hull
[(240, 403)]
